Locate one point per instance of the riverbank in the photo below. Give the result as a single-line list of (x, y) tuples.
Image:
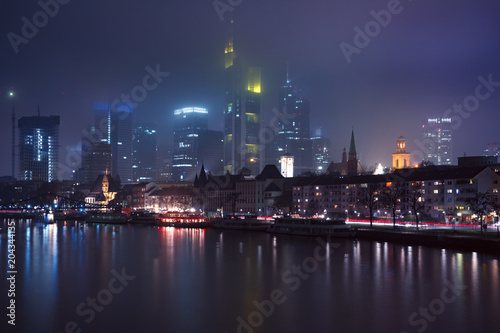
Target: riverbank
[(434, 238)]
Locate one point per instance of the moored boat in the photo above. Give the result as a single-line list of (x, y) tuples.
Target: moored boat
[(106, 217), (242, 223), (312, 227), (182, 220)]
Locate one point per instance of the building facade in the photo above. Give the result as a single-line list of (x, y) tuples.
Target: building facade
[(38, 148), (188, 123), (321, 153), (292, 130), (441, 194), (400, 159), (437, 141), (144, 152), (241, 114)]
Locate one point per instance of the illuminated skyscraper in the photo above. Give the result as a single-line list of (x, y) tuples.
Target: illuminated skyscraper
[(438, 141), (121, 141), (188, 123), (241, 115), (144, 152), (321, 153), (38, 147), (293, 130), (113, 126), (96, 160)]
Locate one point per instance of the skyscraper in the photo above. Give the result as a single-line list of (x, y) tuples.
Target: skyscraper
[(121, 141), (96, 160), (211, 144), (293, 129), (321, 152), (38, 147), (145, 152), (438, 141), (241, 114), (188, 122)]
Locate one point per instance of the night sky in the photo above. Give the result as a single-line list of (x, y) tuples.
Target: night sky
[(427, 58)]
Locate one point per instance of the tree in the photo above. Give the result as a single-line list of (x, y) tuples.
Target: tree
[(391, 199), (424, 164), (232, 198), (479, 205), (414, 199), (367, 196)]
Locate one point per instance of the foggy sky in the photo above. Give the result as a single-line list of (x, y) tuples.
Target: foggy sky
[(426, 59)]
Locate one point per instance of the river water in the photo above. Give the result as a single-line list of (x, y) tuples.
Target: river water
[(77, 277)]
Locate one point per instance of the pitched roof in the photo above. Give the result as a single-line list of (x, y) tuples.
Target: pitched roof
[(270, 171), (352, 146)]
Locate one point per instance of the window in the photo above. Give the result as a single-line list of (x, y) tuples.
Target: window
[(436, 191), (449, 190)]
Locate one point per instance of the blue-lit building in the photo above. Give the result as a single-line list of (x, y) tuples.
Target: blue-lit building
[(38, 148), (188, 123), (437, 135), (145, 152)]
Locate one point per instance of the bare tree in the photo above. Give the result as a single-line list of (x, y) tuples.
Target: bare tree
[(391, 199), (367, 196), (479, 204), (414, 198)]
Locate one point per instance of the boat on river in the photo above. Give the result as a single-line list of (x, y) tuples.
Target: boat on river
[(106, 217), (182, 220), (242, 223), (312, 227)]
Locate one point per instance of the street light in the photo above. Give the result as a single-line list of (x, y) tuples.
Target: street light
[(13, 120)]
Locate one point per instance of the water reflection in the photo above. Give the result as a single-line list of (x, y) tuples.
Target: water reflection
[(190, 280)]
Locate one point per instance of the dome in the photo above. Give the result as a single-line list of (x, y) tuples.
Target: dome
[(401, 138)]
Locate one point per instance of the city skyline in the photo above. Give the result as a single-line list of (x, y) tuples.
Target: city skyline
[(419, 66)]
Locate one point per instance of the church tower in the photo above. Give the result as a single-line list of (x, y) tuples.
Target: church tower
[(352, 162), (400, 159)]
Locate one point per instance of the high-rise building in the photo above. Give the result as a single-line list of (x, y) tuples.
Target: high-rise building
[(144, 152), (438, 141), (321, 153), (293, 130), (211, 144), (96, 160), (188, 122), (165, 158), (113, 125), (241, 115), (121, 141), (251, 124), (492, 149), (38, 147)]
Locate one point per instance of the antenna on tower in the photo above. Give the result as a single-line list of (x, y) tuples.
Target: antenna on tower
[(287, 72), (38, 110)]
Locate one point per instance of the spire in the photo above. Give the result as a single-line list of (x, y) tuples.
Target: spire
[(352, 146), (203, 176), (288, 72), (38, 110)]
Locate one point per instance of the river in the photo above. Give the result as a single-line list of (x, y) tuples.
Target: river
[(77, 277)]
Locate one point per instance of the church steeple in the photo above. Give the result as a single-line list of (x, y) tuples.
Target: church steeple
[(352, 146), (400, 159), (352, 162)]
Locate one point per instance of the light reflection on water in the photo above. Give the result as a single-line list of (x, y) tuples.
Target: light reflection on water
[(193, 280)]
